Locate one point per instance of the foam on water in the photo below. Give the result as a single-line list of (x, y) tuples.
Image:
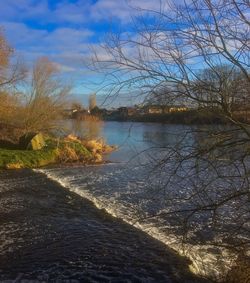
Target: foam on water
[(204, 261)]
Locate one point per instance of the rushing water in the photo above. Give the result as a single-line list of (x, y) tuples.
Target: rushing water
[(131, 187), (49, 234)]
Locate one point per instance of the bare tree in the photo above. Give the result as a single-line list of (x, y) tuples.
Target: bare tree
[(46, 97), (45, 94), (11, 71), (185, 47)]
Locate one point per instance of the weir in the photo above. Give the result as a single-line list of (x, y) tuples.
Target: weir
[(49, 233)]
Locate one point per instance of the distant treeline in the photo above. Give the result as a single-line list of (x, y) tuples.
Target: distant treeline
[(189, 117)]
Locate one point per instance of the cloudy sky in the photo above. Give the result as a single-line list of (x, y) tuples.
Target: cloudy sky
[(64, 30)]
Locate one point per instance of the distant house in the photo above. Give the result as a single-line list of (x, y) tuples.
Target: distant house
[(161, 109), (153, 109), (179, 108)]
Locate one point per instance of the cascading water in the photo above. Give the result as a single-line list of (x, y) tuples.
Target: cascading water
[(123, 194)]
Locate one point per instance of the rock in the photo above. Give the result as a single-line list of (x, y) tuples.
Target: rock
[(32, 141)]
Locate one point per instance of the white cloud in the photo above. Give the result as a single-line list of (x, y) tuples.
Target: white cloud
[(81, 11), (67, 46), (23, 9), (74, 13), (122, 10), (67, 40)]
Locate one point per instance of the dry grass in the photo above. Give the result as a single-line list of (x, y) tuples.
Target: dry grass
[(67, 154)]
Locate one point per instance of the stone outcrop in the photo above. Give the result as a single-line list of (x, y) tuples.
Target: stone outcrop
[(32, 141)]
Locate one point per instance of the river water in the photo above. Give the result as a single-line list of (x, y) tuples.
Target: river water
[(137, 186), (142, 186)]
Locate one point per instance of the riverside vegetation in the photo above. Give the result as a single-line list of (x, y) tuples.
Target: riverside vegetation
[(34, 104), (66, 150)]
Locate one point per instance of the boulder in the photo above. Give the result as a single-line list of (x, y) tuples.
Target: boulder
[(32, 141)]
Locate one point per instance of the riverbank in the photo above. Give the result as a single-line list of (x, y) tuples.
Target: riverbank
[(187, 117), (56, 151), (49, 233)]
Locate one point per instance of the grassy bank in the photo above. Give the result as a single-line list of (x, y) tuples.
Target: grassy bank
[(55, 151)]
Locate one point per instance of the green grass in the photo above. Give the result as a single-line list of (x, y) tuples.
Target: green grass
[(27, 158), (54, 152)]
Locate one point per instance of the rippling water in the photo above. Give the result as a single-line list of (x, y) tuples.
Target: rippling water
[(49, 234), (124, 195), (132, 187)]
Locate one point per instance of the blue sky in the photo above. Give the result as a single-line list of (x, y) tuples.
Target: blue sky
[(64, 30)]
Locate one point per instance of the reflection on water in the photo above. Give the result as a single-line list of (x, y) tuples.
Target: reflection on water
[(84, 129), (131, 138)]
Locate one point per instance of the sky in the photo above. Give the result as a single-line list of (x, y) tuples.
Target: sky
[(64, 31)]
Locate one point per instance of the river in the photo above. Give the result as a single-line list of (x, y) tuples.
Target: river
[(132, 187), (142, 185)]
